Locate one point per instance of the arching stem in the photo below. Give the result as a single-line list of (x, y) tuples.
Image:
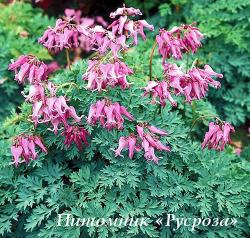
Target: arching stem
[(151, 59), (68, 59), (201, 117), (187, 62)]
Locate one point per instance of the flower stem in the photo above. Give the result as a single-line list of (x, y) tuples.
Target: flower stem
[(187, 62), (151, 59), (68, 59), (66, 84), (202, 117)]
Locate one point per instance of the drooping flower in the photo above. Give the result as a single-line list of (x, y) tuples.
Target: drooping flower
[(73, 14), (127, 142), (159, 90), (65, 34), (86, 21), (123, 143), (147, 138), (54, 110), (125, 11), (85, 40), (100, 20), (52, 67), (100, 75), (24, 146), (156, 130), (105, 41), (193, 84), (237, 151), (110, 115), (127, 27), (192, 38), (77, 135), (150, 141), (218, 135), (185, 38), (30, 68), (37, 92)]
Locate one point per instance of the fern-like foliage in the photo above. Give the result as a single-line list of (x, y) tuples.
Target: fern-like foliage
[(187, 182)]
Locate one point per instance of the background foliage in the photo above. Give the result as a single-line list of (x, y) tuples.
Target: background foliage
[(20, 27)]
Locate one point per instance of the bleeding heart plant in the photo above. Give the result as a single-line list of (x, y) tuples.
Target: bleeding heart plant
[(106, 70)]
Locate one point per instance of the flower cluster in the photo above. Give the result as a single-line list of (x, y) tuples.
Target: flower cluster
[(24, 146), (106, 69), (104, 41), (30, 68), (147, 140), (159, 90), (218, 135), (193, 84), (127, 27), (173, 43), (37, 92), (100, 75), (125, 11), (47, 107), (110, 115), (54, 110), (84, 40), (127, 142), (150, 141), (65, 34), (75, 134)]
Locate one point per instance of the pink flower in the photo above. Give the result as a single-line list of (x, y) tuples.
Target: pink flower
[(192, 38), (237, 151), (110, 115), (178, 40), (168, 46), (37, 92), (125, 11), (131, 145), (75, 134), (123, 143), (218, 135), (130, 28), (139, 29), (148, 140), (100, 20), (30, 68), (149, 151), (127, 142), (159, 90), (193, 84), (140, 131), (74, 14), (156, 130), (65, 34), (24, 147), (52, 67), (54, 110), (107, 41), (100, 76), (85, 25)]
